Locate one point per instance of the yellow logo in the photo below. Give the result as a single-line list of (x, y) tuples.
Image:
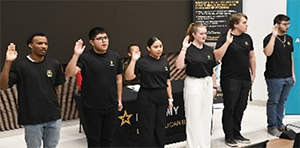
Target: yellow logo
[(288, 43), (166, 69), (246, 43), (112, 63), (125, 118), (49, 73), (208, 57)]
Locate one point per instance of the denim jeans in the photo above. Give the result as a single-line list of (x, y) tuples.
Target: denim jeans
[(278, 91), (48, 132)]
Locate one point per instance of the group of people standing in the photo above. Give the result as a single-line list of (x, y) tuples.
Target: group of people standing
[(38, 77)]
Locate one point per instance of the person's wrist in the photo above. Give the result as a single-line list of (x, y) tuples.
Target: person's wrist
[(170, 99), (215, 87), (183, 49)]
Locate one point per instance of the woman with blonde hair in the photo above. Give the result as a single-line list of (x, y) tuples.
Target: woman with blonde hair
[(199, 85)]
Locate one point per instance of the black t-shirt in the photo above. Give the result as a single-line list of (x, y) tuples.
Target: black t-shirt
[(235, 62), (36, 82), (279, 64), (99, 71), (199, 62), (154, 72)]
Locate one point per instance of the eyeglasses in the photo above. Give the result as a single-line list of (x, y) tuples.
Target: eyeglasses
[(101, 38), (286, 24)]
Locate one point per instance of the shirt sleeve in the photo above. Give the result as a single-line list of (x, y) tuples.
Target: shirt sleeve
[(266, 41), (60, 76), (137, 68), (120, 66), (13, 76)]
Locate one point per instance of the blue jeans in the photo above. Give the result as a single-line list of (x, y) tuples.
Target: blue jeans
[(47, 132), (278, 91)]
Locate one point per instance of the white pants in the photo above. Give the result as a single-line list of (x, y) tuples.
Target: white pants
[(198, 99)]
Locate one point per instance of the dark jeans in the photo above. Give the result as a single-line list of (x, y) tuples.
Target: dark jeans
[(235, 95), (152, 106), (100, 126)]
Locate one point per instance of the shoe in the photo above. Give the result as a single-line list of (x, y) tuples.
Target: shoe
[(242, 139), (231, 142), (274, 131), (282, 128)]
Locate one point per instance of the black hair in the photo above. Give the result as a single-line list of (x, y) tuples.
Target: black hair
[(30, 38), (95, 31), (279, 18), (152, 40), (128, 48)]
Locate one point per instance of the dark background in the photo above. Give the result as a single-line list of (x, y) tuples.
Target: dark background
[(66, 21)]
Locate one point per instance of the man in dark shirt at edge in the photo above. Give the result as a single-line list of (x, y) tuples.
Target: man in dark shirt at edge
[(37, 77), (279, 74)]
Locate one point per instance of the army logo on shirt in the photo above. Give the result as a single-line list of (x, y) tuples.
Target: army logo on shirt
[(246, 43), (288, 43), (166, 69), (111, 63), (49, 73), (208, 57)]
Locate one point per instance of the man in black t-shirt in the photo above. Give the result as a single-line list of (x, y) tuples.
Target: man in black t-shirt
[(101, 88), (235, 49), (37, 78), (279, 74)]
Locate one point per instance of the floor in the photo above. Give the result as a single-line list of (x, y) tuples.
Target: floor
[(253, 127)]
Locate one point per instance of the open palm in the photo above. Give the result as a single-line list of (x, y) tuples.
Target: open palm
[(79, 48), (11, 53)]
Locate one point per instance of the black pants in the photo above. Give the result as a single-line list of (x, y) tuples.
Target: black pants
[(100, 126), (152, 106), (235, 96)]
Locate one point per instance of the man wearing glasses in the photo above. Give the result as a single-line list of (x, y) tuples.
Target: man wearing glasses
[(101, 88), (279, 74)]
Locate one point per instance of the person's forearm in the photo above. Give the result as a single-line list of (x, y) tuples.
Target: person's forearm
[(268, 50), (4, 75), (169, 89), (219, 53), (214, 78), (71, 67), (119, 87), (180, 59), (129, 73)]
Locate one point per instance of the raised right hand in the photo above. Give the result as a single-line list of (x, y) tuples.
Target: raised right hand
[(11, 53), (136, 54), (79, 47), (185, 42)]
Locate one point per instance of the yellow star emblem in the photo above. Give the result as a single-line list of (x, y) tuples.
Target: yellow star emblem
[(125, 118)]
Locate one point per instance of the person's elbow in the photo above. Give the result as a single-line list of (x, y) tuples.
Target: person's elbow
[(129, 77), (267, 53), (3, 87), (68, 74)]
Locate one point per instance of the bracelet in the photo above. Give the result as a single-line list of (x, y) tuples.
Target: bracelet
[(171, 100), (215, 87)]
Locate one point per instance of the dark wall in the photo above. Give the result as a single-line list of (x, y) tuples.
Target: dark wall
[(66, 21)]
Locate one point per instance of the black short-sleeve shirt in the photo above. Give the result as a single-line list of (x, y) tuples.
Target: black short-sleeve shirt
[(99, 71), (36, 82), (279, 64), (154, 73), (199, 62), (235, 62)]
